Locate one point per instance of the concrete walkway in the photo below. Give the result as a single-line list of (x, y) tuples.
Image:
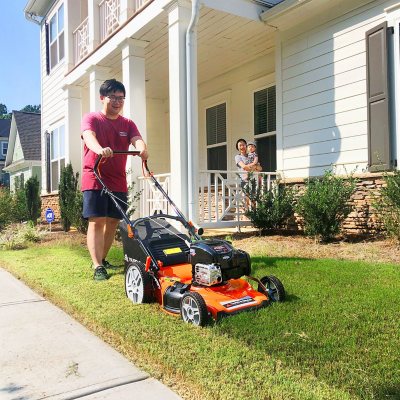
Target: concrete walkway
[(45, 354)]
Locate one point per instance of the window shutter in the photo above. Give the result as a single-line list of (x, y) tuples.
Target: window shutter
[(48, 162), (265, 110), (378, 99), (46, 27), (216, 124)]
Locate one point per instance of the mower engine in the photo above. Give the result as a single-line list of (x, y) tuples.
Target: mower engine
[(216, 261)]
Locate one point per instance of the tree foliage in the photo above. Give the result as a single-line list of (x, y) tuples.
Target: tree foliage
[(4, 114), (33, 201), (32, 109), (67, 193)]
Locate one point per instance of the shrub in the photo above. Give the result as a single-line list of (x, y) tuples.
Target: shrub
[(5, 201), (67, 190), (270, 209), (16, 236), (19, 211), (325, 204), (387, 205), (80, 223), (33, 201)]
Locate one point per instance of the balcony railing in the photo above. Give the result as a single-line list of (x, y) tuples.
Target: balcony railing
[(109, 17), (81, 40), (221, 198)]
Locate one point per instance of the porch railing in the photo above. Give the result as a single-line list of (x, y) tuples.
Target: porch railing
[(221, 198), (222, 202), (81, 40), (109, 17)]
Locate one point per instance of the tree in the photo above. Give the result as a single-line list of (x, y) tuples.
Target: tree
[(67, 189), (4, 112), (32, 109), (33, 201)]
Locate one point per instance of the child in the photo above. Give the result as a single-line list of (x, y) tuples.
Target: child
[(252, 157)]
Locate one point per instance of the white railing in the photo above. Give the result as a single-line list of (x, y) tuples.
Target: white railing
[(81, 40), (151, 199), (222, 201), (109, 17)]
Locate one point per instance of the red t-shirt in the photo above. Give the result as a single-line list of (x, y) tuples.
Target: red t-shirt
[(116, 134)]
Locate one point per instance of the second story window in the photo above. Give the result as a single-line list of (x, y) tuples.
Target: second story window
[(56, 37)]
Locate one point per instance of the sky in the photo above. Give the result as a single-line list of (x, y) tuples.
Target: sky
[(20, 57)]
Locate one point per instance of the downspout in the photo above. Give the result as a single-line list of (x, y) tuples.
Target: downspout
[(192, 110)]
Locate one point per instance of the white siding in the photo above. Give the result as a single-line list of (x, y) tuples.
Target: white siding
[(324, 114)]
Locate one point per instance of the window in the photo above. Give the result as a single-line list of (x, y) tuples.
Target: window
[(56, 38), (57, 156), (4, 147), (265, 127), (216, 137)]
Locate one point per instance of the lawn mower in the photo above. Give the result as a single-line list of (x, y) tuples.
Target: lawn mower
[(195, 278)]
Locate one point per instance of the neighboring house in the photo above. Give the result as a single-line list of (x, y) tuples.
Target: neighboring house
[(314, 82), (24, 154), (4, 134)]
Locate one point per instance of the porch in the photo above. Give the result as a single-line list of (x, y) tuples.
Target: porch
[(221, 200)]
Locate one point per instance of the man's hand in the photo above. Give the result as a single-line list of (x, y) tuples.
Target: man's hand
[(106, 152), (144, 154)]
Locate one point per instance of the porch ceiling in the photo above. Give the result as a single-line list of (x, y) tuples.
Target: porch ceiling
[(225, 42)]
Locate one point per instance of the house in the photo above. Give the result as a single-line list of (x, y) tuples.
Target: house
[(4, 134), (23, 156), (313, 82)]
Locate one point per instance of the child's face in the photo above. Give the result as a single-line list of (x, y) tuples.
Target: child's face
[(251, 148)]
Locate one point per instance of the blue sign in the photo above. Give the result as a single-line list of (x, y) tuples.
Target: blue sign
[(49, 213)]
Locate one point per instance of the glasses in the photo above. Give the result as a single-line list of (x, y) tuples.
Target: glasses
[(115, 99)]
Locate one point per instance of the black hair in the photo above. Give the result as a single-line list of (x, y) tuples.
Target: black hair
[(238, 141), (111, 86)]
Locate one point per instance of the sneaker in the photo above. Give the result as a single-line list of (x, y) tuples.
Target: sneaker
[(107, 265), (100, 274)]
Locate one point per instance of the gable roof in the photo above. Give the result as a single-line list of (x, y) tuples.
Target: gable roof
[(28, 127), (5, 127)]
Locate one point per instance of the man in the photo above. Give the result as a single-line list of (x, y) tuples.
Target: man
[(103, 132)]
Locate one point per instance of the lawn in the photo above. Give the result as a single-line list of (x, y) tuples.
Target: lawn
[(336, 336)]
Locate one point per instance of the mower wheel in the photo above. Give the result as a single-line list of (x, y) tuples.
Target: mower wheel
[(276, 291), (138, 286), (194, 309)]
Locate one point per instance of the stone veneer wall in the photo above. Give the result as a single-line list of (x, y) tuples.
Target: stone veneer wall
[(50, 200), (362, 219)]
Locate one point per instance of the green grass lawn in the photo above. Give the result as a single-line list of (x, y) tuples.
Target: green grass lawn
[(336, 337)]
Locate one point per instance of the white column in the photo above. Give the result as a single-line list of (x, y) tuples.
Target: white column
[(279, 112), (97, 75), (94, 24), (133, 78), (72, 18), (73, 116), (179, 14)]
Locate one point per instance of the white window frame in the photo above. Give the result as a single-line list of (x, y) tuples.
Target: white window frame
[(57, 155), (55, 42), (4, 146)]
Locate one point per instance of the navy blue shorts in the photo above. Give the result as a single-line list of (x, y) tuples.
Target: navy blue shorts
[(96, 203)]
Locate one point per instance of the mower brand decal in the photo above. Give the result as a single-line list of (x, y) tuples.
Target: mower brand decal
[(192, 252), (174, 250), (238, 303)]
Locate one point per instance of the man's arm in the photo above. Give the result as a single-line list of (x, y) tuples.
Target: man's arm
[(92, 143), (140, 145)]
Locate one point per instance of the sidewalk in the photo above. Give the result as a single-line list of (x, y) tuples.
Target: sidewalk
[(45, 354)]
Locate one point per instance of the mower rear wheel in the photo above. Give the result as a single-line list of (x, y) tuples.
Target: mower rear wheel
[(138, 286), (194, 309), (275, 289)]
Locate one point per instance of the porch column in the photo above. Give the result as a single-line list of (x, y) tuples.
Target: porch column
[(94, 25), (73, 116), (97, 75), (279, 111), (179, 13), (127, 8), (133, 77)]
